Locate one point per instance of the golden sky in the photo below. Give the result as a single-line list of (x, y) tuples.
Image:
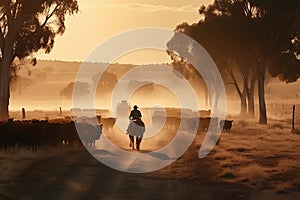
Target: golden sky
[(99, 20)]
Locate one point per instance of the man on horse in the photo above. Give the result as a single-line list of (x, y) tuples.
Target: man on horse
[(135, 114), (136, 127)]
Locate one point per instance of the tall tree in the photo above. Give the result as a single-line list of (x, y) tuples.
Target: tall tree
[(27, 26), (219, 34), (233, 23), (256, 36), (277, 37)]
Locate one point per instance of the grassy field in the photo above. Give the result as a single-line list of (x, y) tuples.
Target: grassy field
[(264, 159)]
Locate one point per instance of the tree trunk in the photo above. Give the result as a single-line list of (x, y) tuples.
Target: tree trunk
[(251, 106), (5, 64), (4, 91), (261, 95), (243, 98), (242, 94), (250, 96)]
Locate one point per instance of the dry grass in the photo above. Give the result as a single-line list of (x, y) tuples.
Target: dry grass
[(277, 125), (252, 154), (243, 123), (254, 174), (297, 131), (256, 155)]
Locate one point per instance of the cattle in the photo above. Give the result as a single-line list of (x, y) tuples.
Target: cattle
[(20, 134), (67, 134), (7, 137), (88, 120), (108, 123), (226, 125), (31, 134), (190, 124), (204, 124), (207, 122), (27, 135), (89, 133)]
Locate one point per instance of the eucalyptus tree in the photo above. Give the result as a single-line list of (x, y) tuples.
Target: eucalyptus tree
[(249, 38), (27, 26)]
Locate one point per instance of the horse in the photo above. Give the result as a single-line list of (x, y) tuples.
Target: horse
[(136, 128)]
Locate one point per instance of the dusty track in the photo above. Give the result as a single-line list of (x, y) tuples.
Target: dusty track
[(75, 174)]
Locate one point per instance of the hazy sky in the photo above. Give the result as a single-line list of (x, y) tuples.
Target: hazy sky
[(99, 20)]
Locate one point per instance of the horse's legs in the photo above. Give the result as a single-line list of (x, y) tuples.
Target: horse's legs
[(131, 137), (138, 142), (130, 143)]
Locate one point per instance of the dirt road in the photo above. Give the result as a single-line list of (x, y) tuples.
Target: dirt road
[(75, 174)]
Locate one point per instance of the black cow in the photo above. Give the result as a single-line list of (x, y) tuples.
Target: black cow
[(226, 125)]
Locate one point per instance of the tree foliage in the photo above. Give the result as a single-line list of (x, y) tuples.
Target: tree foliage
[(31, 25), (27, 26), (251, 37)]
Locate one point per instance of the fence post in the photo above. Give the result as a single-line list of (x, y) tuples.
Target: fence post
[(293, 119), (23, 113), (60, 111)]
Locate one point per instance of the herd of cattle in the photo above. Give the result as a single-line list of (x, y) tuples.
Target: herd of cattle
[(202, 124), (32, 134)]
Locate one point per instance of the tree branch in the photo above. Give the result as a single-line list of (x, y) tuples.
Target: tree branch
[(49, 15), (1, 41), (2, 32), (235, 83), (16, 6), (9, 17)]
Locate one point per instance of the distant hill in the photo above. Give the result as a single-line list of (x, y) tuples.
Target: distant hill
[(49, 85), (39, 87)]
